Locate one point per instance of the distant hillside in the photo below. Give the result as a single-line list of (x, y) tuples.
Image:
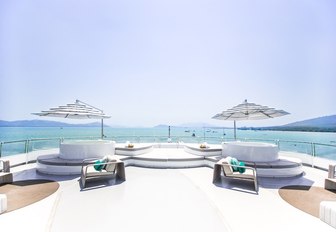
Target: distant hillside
[(321, 124), (327, 121), (161, 126), (44, 123), (189, 125), (196, 125)]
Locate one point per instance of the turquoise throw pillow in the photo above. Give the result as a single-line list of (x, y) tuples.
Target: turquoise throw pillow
[(98, 166), (241, 169), (234, 161)]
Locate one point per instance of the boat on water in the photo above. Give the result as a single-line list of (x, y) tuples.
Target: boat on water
[(168, 184)]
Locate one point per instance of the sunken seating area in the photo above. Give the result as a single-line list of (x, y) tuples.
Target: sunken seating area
[(53, 164), (133, 150), (171, 155), (265, 157), (203, 150), (282, 167)]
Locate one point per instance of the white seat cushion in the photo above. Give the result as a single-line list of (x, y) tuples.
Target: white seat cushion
[(242, 176), (91, 172), (111, 167)]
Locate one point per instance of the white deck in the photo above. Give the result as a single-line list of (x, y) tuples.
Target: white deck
[(164, 200)]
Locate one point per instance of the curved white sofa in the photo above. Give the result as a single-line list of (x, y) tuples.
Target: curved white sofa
[(83, 149), (251, 151), (208, 151), (138, 149)]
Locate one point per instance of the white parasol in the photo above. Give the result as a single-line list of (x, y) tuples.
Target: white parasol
[(248, 111), (78, 110)]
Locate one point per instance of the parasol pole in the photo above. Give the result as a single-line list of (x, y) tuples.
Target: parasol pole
[(168, 131), (102, 128), (102, 120), (169, 139), (234, 130)]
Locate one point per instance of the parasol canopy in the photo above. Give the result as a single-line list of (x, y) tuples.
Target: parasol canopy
[(77, 110), (248, 111)]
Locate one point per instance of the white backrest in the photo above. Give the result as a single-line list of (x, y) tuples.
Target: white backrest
[(111, 167), (227, 168)]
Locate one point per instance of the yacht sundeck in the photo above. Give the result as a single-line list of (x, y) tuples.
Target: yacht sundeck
[(168, 187)]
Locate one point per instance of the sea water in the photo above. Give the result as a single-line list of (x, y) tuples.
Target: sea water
[(49, 137)]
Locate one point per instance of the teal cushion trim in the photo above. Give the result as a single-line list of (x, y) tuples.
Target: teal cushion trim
[(241, 169), (234, 161), (98, 166)]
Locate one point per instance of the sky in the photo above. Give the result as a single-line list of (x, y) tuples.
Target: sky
[(149, 62)]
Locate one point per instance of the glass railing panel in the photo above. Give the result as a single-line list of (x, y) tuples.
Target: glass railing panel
[(43, 144), (325, 151), (13, 148), (296, 146), (258, 140)]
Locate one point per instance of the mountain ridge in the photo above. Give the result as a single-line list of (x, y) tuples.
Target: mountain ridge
[(323, 124), (320, 124), (45, 123), (325, 121)]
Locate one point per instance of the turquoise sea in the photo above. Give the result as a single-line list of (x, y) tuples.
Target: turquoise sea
[(48, 137)]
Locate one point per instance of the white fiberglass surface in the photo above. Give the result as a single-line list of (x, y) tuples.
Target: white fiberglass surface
[(149, 200), (165, 200)]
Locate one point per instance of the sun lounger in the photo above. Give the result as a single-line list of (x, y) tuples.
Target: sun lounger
[(97, 169), (225, 165)]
